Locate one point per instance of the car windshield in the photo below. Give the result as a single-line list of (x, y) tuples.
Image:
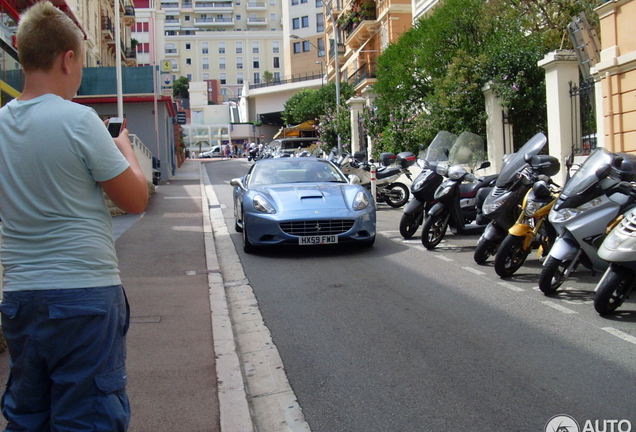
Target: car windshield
[(295, 170)]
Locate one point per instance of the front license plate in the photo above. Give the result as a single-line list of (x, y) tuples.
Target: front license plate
[(316, 240)]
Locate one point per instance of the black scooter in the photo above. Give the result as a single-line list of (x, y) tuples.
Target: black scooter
[(456, 203), (426, 183)]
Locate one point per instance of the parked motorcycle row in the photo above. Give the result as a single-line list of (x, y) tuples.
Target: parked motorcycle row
[(590, 221)]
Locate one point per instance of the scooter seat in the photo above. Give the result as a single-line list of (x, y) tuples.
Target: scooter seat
[(387, 173)]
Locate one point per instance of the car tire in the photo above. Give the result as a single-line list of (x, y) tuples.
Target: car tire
[(248, 247)]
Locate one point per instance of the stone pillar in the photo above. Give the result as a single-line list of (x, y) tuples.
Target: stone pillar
[(356, 104), (561, 69), (499, 139), (370, 96)]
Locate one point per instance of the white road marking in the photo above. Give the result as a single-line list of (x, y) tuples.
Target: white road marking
[(444, 258), (510, 286), (626, 337), (475, 271), (559, 307)]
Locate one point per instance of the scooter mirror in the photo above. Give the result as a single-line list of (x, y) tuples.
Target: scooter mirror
[(483, 165), (603, 171)]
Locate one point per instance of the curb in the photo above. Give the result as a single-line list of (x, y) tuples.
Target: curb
[(254, 393)]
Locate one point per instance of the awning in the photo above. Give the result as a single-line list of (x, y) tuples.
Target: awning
[(299, 130)]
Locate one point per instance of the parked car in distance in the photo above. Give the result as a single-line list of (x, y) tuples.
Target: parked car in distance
[(301, 201), (216, 151)]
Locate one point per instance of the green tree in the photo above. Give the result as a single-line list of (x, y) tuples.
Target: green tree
[(310, 104), (180, 87)]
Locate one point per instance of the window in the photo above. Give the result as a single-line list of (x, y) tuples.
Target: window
[(256, 63), (276, 62), (257, 77), (221, 47), (303, 1), (296, 23), (321, 47), (320, 23), (296, 47), (276, 76), (294, 2), (171, 48), (189, 77), (222, 63), (204, 47), (205, 63), (319, 3), (255, 47), (186, 18), (306, 46), (239, 47), (305, 21), (239, 78), (237, 17), (239, 62), (188, 61), (206, 76), (272, 2), (272, 17), (275, 47), (223, 78)]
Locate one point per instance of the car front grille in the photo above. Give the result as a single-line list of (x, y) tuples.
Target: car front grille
[(317, 227)]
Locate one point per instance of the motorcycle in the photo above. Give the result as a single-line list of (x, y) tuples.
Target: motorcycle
[(532, 229), (426, 183), (455, 204), (619, 249), (502, 205), (394, 193), (591, 200)]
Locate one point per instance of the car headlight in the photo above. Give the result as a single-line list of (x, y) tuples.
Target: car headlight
[(360, 201), (262, 205), (562, 215)]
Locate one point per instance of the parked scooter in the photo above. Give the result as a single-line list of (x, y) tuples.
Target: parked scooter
[(426, 183), (592, 199), (502, 205), (456, 202), (619, 249), (532, 229), (394, 193)]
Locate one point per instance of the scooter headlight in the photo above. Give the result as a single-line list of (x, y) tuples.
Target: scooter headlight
[(262, 205), (491, 206), (419, 182), (441, 191), (562, 215), (617, 241), (532, 207)]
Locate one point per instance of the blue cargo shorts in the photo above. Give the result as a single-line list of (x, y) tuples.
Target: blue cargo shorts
[(67, 356)]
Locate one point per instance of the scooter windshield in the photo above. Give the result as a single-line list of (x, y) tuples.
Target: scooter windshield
[(517, 160), (585, 176), (439, 148), (469, 150)]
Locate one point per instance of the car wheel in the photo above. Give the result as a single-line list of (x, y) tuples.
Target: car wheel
[(247, 246)]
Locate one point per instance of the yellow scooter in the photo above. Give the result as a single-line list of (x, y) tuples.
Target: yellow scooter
[(532, 229)]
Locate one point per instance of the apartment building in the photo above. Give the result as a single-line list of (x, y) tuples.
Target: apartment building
[(304, 35), (229, 41)]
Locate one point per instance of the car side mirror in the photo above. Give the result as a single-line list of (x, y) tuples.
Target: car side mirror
[(238, 182)]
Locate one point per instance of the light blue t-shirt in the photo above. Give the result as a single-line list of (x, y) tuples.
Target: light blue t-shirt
[(57, 231)]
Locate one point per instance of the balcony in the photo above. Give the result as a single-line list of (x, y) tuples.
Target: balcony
[(172, 24), (131, 57), (361, 33), (258, 21), (172, 52), (129, 16), (108, 29), (253, 6), (364, 76), (170, 5), (214, 22), (209, 6)]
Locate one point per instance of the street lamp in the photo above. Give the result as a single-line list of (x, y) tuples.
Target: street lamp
[(336, 63), (322, 76)]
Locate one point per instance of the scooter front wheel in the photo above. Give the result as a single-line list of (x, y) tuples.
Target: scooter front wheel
[(510, 256), (613, 290), (396, 195), (552, 275), (410, 223), (484, 250), (434, 230)]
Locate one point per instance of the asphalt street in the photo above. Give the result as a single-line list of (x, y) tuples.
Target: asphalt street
[(398, 338)]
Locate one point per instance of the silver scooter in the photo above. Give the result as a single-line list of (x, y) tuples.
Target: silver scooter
[(595, 195), (619, 249)]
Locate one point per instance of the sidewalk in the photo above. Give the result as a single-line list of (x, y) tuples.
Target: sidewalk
[(172, 381)]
